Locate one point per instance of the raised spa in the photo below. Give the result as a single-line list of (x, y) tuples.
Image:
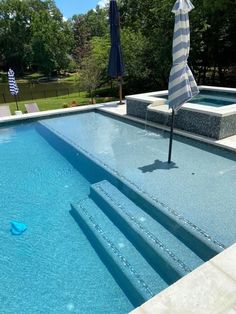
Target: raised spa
[(212, 113)]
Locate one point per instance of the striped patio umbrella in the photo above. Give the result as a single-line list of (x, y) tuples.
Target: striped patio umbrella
[(182, 86), (116, 65), (13, 85)]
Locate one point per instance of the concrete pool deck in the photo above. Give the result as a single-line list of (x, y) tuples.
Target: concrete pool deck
[(45, 114), (211, 288)]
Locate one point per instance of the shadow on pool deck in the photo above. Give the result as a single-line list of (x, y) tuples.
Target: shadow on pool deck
[(158, 165)]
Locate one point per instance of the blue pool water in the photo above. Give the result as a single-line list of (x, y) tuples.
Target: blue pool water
[(51, 268), (200, 186), (90, 259), (212, 98)]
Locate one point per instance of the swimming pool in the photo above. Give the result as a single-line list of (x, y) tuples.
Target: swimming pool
[(116, 177), (51, 268)]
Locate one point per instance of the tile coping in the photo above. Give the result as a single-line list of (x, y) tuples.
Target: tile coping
[(47, 113)]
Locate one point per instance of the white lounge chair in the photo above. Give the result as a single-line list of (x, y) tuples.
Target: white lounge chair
[(31, 107), (4, 111)]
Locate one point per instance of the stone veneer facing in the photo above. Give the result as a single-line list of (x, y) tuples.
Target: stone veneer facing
[(201, 123)]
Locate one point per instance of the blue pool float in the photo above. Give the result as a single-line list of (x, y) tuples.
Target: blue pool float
[(17, 228)]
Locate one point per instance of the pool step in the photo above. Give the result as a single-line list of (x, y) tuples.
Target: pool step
[(132, 272), (194, 237), (171, 258)]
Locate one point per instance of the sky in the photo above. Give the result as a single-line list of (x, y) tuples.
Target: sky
[(70, 7)]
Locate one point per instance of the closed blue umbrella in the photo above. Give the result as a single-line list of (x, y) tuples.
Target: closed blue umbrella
[(14, 90), (182, 86), (116, 65)]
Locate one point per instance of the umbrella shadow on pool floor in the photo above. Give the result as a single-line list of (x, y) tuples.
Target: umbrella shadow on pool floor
[(158, 165)]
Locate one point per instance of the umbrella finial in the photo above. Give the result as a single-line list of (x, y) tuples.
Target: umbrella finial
[(182, 5)]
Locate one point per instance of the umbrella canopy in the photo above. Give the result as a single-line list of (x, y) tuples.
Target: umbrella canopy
[(116, 65), (182, 85), (12, 83), (13, 86)]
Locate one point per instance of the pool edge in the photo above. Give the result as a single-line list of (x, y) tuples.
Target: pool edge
[(210, 288)]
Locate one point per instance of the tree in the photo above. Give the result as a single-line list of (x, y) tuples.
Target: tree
[(151, 19), (213, 37), (134, 53), (51, 39), (93, 69), (33, 35), (100, 52), (87, 26), (97, 22), (15, 34), (89, 76), (82, 38)]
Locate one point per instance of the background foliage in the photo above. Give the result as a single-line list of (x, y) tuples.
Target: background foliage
[(35, 37)]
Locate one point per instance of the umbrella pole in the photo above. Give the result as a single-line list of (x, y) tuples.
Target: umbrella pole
[(120, 90), (171, 135), (17, 108)]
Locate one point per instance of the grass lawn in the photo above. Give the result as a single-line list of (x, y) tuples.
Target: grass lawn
[(59, 102), (51, 95)]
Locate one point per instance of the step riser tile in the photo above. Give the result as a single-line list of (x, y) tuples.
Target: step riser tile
[(191, 238), (158, 259), (126, 284)]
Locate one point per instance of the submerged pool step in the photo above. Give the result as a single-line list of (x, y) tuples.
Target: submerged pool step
[(94, 170), (132, 272), (166, 253)]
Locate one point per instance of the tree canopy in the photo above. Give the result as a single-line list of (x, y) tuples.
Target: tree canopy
[(146, 36), (34, 36)]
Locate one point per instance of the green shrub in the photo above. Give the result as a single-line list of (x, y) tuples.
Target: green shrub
[(4, 78)]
